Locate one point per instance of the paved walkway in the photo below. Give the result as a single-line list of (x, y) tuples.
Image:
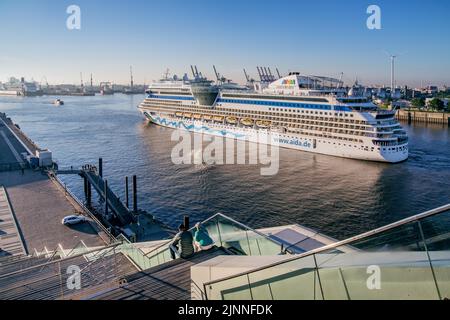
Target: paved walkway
[(10, 240), (39, 206), (10, 148)]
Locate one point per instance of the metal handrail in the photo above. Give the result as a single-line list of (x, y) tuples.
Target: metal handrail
[(338, 244), (73, 249), (59, 261), (230, 219)]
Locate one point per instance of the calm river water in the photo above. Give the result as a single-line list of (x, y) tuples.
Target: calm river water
[(339, 197)]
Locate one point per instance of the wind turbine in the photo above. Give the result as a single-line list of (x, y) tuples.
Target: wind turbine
[(392, 58)]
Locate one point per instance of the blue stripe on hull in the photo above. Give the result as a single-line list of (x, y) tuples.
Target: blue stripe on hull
[(193, 127)]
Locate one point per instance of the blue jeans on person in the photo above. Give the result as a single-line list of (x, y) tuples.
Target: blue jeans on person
[(174, 252)]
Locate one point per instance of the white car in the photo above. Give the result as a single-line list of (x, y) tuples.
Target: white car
[(73, 219)]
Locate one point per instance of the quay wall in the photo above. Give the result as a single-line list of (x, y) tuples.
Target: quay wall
[(423, 116)]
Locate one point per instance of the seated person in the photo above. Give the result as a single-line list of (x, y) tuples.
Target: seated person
[(202, 240), (181, 245)]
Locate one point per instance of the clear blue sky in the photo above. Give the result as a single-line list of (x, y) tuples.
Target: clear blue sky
[(315, 37)]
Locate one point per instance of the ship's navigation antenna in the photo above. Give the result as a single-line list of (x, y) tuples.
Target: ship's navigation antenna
[(92, 84), (81, 78)]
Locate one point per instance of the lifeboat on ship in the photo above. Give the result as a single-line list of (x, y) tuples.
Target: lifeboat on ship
[(247, 122), (263, 124), (197, 116), (232, 120), (179, 114), (188, 115), (207, 117), (218, 118)]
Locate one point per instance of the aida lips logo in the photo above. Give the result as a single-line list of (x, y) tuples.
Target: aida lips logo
[(289, 82)]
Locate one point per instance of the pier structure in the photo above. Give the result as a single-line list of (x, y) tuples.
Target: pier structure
[(92, 178), (117, 215), (32, 205)]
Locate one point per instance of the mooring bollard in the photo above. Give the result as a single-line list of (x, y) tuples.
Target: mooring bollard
[(100, 167), (106, 198), (89, 194), (126, 193), (135, 206)]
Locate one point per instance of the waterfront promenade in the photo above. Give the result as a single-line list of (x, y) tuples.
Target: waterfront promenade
[(33, 205)]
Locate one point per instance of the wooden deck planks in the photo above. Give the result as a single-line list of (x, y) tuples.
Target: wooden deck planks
[(169, 281)]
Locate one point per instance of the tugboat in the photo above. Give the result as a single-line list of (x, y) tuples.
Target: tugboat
[(58, 102)]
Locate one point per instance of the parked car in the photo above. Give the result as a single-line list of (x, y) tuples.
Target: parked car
[(73, 219)]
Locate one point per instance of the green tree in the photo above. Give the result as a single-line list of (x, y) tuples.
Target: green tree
[(437, 104), (418, 103)]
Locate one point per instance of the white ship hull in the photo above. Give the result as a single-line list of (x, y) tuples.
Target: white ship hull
[(292, 141), (9, 93)]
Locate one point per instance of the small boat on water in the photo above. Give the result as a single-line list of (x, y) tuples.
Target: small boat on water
[(247, 121), (58, 102), (232, 120)]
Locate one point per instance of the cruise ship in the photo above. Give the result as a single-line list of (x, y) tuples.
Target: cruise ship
[(308, 113)]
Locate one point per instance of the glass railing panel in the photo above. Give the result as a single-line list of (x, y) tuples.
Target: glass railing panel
[(233, 236), (405, 237), (80, 248), (262, 246), (294, 280), (133, 253), (436, 231), (160, 256), (239, 238), (211, 228), (407, 261), (237, 288), (392, 265)]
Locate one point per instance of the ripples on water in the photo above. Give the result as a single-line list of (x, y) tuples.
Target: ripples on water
[(340, 197)]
